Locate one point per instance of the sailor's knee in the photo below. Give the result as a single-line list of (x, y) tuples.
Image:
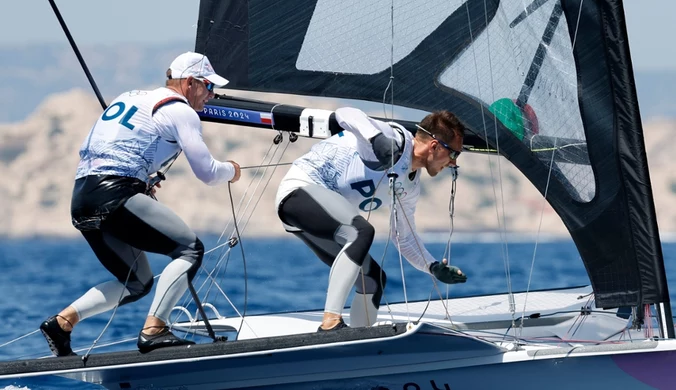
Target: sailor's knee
[(365, 231), (196, 254), (199, 252), (137, 290)]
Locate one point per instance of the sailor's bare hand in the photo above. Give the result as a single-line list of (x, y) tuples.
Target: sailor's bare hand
[(153, 190), (238, 172)]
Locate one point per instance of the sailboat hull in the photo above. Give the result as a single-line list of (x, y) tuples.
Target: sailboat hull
[(485, 347), (424, 357)]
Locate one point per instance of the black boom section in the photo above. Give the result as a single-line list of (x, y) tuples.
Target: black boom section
[(285, 117)]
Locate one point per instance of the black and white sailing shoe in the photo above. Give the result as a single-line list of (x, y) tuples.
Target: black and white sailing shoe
[(165, 338), (57, 338), (341, 325)]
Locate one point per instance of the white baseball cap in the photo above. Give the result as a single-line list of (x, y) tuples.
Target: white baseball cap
[(195, 65)]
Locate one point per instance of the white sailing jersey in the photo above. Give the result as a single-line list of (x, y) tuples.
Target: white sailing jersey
[(345, 163), (141, 131)]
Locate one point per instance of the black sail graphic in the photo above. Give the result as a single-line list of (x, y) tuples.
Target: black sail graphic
[(550, 84)]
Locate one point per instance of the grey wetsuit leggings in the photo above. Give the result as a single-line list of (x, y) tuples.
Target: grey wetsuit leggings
[(140, 225), (335, 231)]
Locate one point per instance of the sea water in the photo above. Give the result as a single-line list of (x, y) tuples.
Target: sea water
[(40, 276)]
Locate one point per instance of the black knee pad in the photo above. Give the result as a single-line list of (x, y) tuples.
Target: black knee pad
[(375, 282), (381, 281), (199, 251), (361, 245), (137, 291)]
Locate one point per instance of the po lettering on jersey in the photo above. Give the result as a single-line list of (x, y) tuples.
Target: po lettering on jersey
[(342, 164)]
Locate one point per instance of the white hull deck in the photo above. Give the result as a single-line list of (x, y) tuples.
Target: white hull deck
[(478, 350), (554, 314)]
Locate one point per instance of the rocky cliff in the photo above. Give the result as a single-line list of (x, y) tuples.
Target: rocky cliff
[(38, 157)]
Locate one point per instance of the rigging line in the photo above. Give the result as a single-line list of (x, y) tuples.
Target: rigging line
[(389, 238), (382, 267), (533, 72), (390, 84), (391, 81), (368, 216), (214, 271), (208, 279), (264, 187), (502, 190), (239, 206), (392, 224), (577, 24), (391, 169), (119, 299), (194, 293), (246, 209), (420, 248), (537, 150), (427, 305), (19, 338), (401, 262), (218, 287), (501, 226), (247, 206), (78, 55), (266, 166), (227, 251), (451, 213), (260, 180), (244, 195), (241, 247), (537, 235)]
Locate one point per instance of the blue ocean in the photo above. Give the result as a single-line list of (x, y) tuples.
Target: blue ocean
[(40, 276)]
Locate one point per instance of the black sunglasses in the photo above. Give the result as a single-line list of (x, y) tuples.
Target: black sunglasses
[(452, 153), (208, 84)]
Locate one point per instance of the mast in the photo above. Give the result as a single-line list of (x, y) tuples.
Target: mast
[(77, 54)]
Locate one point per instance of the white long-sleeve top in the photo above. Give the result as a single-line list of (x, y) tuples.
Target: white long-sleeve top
[(343, 163), (141, 131)]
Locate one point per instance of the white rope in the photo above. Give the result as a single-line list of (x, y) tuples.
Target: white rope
[(223, 258), (577, 24), (501, 223), (537, 235)]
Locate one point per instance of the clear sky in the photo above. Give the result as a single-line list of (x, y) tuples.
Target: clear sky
[(651, 24)]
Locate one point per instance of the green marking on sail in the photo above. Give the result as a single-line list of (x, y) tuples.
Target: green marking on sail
[(510, 115)]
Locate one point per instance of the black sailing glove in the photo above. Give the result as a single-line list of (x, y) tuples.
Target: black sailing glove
[(447, 273)]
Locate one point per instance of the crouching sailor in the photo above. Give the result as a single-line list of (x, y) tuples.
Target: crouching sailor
[(321, 198), (113, 201)]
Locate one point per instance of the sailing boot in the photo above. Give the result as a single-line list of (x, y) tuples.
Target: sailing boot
[(165, 338), (57, 338), (341, 324)]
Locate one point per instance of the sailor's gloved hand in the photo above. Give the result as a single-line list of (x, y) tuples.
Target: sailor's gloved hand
[(447, 273)]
